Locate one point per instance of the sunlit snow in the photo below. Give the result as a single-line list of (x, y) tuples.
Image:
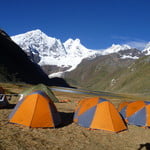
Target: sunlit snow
[(53, 52)]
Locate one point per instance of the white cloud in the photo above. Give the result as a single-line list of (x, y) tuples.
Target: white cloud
[(137, 44), (131, 41)]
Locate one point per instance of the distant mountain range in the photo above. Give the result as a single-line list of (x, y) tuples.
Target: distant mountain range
[(118, 68), (50, 52)]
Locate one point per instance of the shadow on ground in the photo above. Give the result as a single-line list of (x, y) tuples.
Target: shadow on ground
[(145, 146), (67, 118), (9, 106)]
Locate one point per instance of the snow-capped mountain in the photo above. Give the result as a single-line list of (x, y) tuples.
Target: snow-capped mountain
[(115, 48), (51, 51), (147, 49), (48, 51), (76, 49), (37, 42)]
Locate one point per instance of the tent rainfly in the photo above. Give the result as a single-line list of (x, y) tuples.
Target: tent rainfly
[(35, 110), (98, 113), (136, 113)]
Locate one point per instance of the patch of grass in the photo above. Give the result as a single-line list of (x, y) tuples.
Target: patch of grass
[(99, 74)]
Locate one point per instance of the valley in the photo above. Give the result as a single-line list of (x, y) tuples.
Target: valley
[(119, 68)]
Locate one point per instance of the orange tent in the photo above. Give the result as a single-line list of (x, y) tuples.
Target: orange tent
[(35, 110), (98, 113), (122, 105), (137, 113)]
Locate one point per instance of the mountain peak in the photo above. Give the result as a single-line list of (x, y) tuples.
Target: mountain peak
[(115, 48), (32, 32), (147, 49), (71, 41), (77, 40), (36, 41), (35, 31)]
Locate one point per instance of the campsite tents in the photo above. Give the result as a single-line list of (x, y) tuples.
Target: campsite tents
[(43, 88), (98, 113), (137, 113), (35, 110), (3, 99)]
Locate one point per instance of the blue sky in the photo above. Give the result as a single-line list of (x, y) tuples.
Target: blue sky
[(97, 23)]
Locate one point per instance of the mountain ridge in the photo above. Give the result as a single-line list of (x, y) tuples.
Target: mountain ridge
[(119, 68), (112, 74), (48, 51)]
